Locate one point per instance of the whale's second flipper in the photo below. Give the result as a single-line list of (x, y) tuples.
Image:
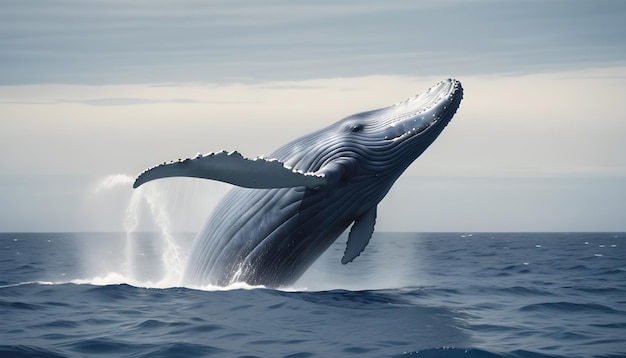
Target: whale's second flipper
[(360, 235), (233, 168)]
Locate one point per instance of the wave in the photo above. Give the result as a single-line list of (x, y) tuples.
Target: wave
[(18, 351), (120, 319), (427, 306), (557, 307), (450, 352), (183, 349)]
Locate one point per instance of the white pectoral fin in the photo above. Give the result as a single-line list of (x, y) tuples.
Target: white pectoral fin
[(233, 168), (360, 235)]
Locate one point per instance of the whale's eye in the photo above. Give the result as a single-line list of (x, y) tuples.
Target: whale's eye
[(357, 128)]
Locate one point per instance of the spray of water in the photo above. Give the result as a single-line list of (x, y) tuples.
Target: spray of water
[(155, 259), (171, 257)]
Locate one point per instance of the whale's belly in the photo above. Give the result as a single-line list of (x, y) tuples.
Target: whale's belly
[(265, 236)]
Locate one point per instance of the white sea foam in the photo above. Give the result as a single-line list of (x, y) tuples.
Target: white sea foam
[(115, 278)]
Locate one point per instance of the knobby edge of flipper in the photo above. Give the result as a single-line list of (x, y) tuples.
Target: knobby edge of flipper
[(234, 168)]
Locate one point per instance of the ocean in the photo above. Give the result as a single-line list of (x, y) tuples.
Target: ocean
[(408, 294)]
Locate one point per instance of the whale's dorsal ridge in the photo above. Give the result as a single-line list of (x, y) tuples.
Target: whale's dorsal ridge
[(234, 168), (360, 235)]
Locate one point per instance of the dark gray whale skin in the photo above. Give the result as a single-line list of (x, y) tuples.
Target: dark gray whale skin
[(271, 236)]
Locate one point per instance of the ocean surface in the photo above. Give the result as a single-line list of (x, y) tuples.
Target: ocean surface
[(408, 294)]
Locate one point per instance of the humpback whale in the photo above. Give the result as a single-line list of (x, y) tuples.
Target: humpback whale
[(286, 210)]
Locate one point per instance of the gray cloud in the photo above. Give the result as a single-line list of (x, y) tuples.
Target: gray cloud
[(154, 41)]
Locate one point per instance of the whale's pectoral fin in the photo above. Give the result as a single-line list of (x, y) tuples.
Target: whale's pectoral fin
[(233, 168), (360, 235)]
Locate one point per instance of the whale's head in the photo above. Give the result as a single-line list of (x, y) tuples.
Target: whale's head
[(382, 142), (410, 121)]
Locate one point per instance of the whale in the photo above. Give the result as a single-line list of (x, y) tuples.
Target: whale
[(286, 209)]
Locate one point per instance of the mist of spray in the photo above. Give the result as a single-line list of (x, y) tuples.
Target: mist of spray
[(156, 217)]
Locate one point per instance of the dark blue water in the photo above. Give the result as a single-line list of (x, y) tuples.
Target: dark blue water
[(422, 295)]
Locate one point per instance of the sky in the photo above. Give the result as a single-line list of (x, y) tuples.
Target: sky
[(93, 93)]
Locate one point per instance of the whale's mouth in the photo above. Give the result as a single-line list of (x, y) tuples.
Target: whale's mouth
[(417, 114)]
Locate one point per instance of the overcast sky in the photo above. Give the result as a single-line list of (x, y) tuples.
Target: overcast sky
[(98, 88)]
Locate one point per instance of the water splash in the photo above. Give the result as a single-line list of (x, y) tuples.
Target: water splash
[(171, 260), (154, 259)]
